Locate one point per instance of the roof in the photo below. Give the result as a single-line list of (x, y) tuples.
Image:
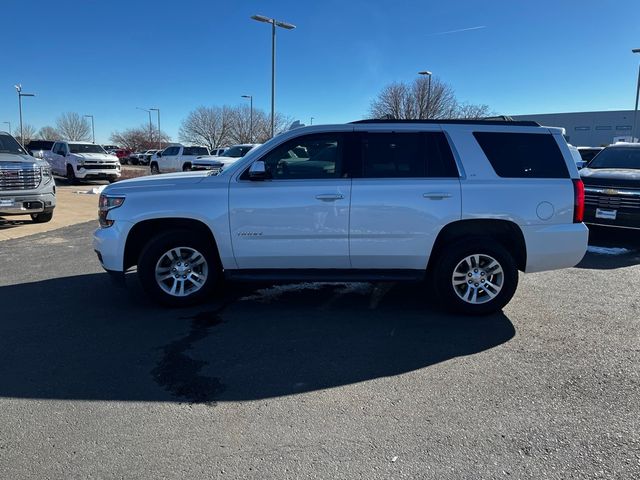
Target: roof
[(509, 123)]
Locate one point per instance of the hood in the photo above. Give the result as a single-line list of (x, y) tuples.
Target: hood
[(152, 182), (97, 156), (611, 177), (12, 157), (211, 160)]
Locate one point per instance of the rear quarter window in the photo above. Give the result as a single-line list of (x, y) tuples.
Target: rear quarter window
[(523, 155)]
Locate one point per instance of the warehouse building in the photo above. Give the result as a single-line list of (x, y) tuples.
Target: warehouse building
[(592, 129)]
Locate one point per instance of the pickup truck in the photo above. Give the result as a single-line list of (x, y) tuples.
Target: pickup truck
[(176, 158), (82, 161), (26, 184)]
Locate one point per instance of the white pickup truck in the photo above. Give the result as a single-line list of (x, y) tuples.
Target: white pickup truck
[(464, 204), (176, 158), (82, 161)]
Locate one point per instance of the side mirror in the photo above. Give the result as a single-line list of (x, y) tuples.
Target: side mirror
[(159, 154), (258, 171)]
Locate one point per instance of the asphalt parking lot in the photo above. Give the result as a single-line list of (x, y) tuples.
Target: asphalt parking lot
[(314, 381)]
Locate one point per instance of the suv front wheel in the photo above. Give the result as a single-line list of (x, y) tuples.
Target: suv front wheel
[(476, 276), (177, 268)]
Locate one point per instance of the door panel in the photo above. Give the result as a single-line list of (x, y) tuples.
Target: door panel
[(290, 223), (394, 222)]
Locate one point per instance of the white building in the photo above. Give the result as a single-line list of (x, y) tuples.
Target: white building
[(591, 129)]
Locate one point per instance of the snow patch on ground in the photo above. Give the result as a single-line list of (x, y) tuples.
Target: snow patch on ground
[(608, 250), (93, 191)]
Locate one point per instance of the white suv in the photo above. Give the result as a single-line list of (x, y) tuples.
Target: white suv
[(465, 204)]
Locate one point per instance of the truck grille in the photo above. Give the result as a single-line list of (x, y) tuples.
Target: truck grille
[(612, 199), (105, 166), (18, 176)]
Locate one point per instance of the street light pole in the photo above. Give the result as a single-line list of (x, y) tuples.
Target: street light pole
[(311, 122), (150, 127), (635, 112), (250, 97), (93, 130), (428, 74), (287, 26), (157, 110), (20, 95)]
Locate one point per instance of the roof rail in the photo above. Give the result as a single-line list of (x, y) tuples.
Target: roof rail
[(510, 123)]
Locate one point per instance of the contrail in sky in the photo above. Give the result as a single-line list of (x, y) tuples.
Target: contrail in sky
[(460, 30)]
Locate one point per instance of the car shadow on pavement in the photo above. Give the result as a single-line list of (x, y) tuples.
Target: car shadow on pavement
[(80, 338)]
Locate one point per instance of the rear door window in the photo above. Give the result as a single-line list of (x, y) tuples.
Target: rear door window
[(406, 155), (523, 155)]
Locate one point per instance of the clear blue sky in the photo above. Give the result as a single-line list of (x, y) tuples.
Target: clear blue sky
[(107, 57)]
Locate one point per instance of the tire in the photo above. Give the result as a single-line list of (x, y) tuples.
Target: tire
[(186, 167), (134, 161), (460, 284), (43, 217), (124, 161), (158, 260), (71, 176), (154, 169), (112, 179)]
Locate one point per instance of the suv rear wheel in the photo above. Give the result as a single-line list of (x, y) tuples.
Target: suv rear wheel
[(177, 268), (476, 276)]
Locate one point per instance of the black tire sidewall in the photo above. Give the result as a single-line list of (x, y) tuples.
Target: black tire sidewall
[(42, 217), (448, 261), (159, 245)]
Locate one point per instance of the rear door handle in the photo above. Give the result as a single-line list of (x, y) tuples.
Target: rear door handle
[(436, 195), (328, 197)]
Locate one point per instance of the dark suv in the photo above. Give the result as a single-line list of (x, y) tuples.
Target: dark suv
[(612, 187), (36, 148)]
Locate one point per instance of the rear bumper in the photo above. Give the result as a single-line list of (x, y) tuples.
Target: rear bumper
[(625, 218), (27, 204), (551, 247)]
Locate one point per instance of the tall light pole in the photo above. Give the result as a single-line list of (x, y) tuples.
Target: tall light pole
[(250, 97), (93, 130), (311, 121), (150, 127), (287, 26), (9, 123), (635, 112), (157, 110), (428, 74), (20, 95)]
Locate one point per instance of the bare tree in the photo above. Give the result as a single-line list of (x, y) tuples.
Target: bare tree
[(48, 133), (207, 126), (139, 139), (418, 100), (73, 127), (29, 133)]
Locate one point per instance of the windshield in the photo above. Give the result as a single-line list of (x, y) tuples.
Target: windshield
[(237, 151), (618, 157), (85, 148), (9, 145)]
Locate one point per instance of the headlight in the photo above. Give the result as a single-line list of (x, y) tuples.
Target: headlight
[(105, 204), (80, 162), (46, 174)]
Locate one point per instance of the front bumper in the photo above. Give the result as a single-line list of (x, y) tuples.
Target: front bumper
[(21, 204), (103, 173), (625, 218), (109, 244)]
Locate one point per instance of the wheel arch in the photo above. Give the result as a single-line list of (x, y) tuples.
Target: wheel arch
[(143, 231), (506, 232)]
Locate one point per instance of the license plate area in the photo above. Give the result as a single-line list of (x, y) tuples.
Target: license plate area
[(7, 202), (606, 214)]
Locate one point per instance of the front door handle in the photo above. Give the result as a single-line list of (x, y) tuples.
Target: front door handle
[(436, 195), (328, 197)]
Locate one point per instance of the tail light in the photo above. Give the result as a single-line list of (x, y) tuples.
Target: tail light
[(578, 202)]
